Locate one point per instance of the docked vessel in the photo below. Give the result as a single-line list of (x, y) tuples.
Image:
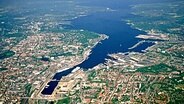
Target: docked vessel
[(60, 70), (74, 70)]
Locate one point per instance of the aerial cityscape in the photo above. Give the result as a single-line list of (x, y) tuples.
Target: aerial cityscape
[(91, 52)]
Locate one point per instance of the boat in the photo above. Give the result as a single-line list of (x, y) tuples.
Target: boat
[(54, 80), (47, 86), (74, 70), (60, 70)]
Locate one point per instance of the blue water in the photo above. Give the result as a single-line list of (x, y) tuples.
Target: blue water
[(53, 84), (121, 37)]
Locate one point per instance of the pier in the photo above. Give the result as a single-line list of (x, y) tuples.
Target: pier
[(139, 43)]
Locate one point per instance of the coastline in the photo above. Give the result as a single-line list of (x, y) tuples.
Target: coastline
[(88, 52), (51, 78), (85, 54)]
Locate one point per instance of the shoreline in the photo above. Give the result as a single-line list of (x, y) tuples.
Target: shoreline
[(85, 54), (85, 57)]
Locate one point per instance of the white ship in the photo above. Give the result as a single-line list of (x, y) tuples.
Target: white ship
[(60, 70), (74, 70), (47, 86)]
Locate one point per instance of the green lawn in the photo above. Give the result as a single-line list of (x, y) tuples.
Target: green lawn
[(156, 68), (64, 101)]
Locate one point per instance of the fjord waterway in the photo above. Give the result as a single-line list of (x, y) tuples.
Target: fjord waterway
[(121, 37)]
